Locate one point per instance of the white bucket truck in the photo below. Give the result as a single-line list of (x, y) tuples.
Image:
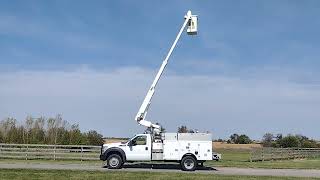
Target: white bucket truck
[(189, 149)]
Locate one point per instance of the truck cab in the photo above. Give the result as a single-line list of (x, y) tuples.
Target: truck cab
[(137, 148)]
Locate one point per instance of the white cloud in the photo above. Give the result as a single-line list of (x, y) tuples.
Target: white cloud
[(108, 100)]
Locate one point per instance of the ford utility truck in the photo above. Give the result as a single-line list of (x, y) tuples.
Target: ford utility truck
[(188, 149)]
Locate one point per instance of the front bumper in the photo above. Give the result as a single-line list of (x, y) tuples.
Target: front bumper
[(102, 157)]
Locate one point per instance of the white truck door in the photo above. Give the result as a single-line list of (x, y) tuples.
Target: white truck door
[(139, 149)]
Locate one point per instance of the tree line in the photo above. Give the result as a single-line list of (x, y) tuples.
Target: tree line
[(278, 140), (44, 130), (268, 139)]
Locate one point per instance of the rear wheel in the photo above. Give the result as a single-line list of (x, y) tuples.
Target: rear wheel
[(188, 163), (114, 161)]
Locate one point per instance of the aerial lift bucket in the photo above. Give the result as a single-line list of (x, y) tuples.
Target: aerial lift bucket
[(192, 28)]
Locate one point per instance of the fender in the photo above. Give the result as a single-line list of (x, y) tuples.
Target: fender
[(113, 150), (189, 154)]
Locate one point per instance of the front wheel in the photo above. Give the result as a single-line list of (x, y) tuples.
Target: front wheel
[(188, 163), (114, 161)]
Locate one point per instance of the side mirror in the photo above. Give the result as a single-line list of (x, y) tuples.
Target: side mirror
[(132, 143)]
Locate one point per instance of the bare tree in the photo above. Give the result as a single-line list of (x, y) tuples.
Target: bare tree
[(56, 126), (182, 129), (267, 140), (48, 131)]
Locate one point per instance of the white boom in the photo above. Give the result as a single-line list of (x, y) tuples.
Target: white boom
[(191, 20)]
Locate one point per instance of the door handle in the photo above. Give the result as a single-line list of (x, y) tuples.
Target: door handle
[(146, 148)]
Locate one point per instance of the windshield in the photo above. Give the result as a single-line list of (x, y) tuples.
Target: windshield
[(129, 140), (138, 139), (126, 140)]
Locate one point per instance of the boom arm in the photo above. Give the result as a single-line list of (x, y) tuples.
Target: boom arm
[(140, 117)]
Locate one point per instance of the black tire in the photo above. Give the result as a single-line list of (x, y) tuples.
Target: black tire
[(188, 163), (114, 161)]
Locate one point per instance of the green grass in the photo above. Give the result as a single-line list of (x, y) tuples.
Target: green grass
[(230, 158), (67, 174), (240, 158), (235, 155)]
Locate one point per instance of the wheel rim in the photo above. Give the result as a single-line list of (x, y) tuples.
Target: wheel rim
[(114, 162), (188, 164)]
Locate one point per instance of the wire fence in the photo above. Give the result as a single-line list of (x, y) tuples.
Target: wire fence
[(267, 154), (49, 152)]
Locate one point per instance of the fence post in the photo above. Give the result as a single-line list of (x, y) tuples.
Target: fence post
[(27, 152), (54, 153), (0, 149), (81, 152)]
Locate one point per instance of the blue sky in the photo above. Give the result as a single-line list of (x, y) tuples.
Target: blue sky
[(253, 67)]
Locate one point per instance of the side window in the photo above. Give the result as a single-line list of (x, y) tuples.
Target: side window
[(139, 140)]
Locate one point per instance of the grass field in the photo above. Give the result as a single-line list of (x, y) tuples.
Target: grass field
[(230, 158), (240, 158), (67, 174)]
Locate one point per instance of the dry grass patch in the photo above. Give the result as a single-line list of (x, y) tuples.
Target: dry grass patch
[(223, 145)]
